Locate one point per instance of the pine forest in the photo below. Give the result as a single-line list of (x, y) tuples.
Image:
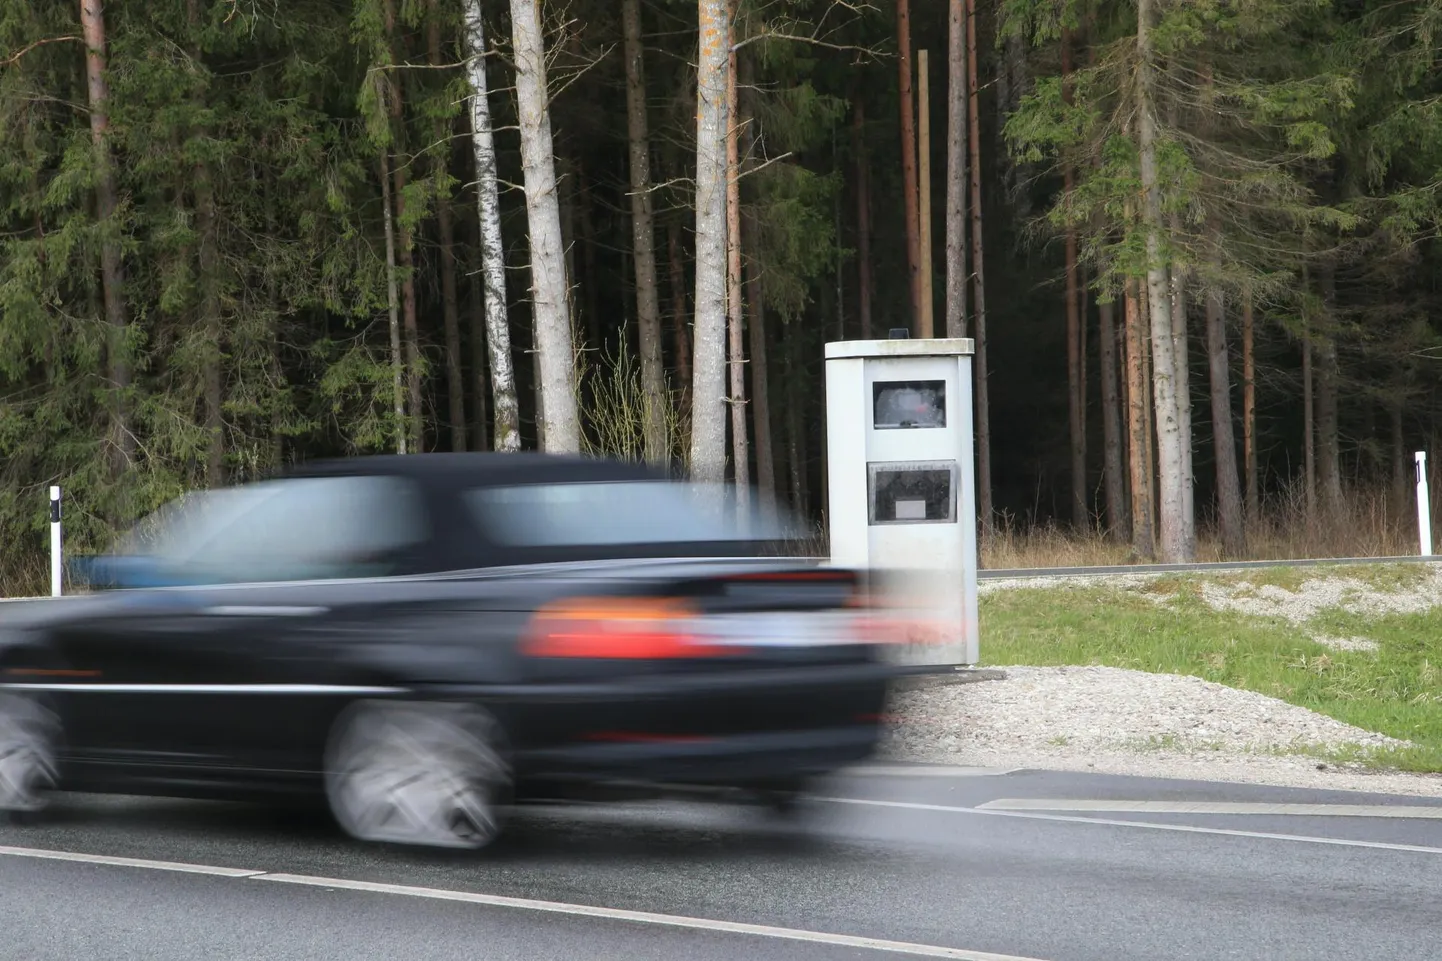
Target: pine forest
[(1194, 241)]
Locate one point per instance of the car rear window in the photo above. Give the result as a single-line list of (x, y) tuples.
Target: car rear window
[(622, 514)]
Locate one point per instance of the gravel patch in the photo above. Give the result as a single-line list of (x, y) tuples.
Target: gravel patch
[(1345, 643), (1318, 594), (1117, 721)]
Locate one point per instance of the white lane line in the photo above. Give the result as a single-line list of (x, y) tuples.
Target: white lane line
[(177, 866), (529, 904), (647, 917), (1215, 807), (929, 770), (1109, 822)]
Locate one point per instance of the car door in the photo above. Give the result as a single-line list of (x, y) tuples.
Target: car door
[(231, 674)]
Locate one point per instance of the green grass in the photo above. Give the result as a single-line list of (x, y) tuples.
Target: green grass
[(1395, 690)]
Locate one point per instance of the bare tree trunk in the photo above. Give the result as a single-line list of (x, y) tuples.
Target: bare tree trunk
[(1183, 379), (480, 387), (405, 246), (735, 322), (983, 405), (1171, 460), (643, 238), (1249, 410), (208, 281), (590, 289), (1143, 538), (923, 193), (1229, 492), (1401, 474), (956, 172), (112, 270), (760, 388), (863, 214), (910, 206), (398, 365), (506, 412), (1076, 404), (1309, 432), (708, 377), (795, 432), (679, 322), (1118, 521), (450, 305), (561, 428), (1329, 459)]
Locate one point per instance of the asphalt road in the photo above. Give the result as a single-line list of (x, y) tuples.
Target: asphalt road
[(886, 866)]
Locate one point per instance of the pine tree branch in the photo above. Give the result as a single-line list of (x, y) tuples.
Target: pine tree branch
[(15, 57)]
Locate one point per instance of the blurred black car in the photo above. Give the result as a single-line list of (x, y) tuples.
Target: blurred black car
[(422, 641)]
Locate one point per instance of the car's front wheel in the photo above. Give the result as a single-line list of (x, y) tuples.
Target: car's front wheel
[(29, 733), (418, 773)]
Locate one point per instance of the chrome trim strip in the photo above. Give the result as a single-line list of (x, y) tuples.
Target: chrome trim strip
[(260, 611), (208, 688)]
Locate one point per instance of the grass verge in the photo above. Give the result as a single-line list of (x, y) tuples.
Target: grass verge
[(1166, 627)]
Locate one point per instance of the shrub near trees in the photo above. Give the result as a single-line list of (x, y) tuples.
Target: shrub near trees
[(238, 234)]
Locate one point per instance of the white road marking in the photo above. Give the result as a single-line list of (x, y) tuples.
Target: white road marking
[(1183, 828), (177, 866), (647, 917), (529, 904), (926, 770), (1216, 807)]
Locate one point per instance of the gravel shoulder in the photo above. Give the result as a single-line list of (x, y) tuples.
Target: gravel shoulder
[(1119, 721), (1113, 721)]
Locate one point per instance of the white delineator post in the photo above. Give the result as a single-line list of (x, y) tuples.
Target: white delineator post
[(1424, 507), (56, 566)]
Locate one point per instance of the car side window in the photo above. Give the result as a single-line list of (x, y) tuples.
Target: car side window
[(307, 528)]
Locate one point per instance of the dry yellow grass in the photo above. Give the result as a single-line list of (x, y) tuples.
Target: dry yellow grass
[(1364, 526)]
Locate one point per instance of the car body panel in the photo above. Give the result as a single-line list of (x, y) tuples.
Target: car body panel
[(231, 689)]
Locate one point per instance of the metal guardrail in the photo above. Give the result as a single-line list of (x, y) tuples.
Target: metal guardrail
[(1051, 572)]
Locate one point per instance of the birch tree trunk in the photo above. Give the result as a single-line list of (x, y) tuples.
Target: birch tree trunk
[(643, 238), (956, 172), (506, 433), (735, 321), (450, 305), (398, 366), (1229, 491), (708, 374), (910, 200), (561, 429), (1118, 521), (112, 270), (1171, 462)]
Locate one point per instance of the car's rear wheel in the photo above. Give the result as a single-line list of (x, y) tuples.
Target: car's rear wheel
[(417, 773), (29, 733)]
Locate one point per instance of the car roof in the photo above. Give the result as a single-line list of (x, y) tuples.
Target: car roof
[(480, 468)]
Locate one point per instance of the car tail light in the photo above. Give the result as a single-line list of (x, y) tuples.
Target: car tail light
[(618, 628)]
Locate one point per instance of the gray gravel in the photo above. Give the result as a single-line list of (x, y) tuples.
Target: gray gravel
[(1116, 721), (1131, 722)]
